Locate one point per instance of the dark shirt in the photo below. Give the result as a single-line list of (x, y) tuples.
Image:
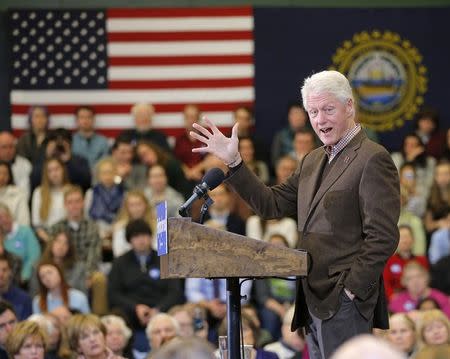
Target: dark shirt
[(153, 136), (20, 300), (129, 285)]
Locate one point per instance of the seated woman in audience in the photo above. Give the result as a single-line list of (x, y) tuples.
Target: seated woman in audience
[(26, 341), (413, 151), (150, 154), (437, 215), (247, 151), (54, 291), (435, 335), (135, 206), (274, 296), (158, 190), (30, 144), (48, 199), (87, 337), (56, 348), (117, 335), (103, 200), (61, 250), (415, 279), (415, 202), (12, 196), (394, 266), (402, 334)]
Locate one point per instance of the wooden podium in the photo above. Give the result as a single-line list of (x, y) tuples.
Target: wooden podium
[(197, 251)]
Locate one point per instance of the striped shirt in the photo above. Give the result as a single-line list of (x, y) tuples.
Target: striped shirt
[(333, 150)]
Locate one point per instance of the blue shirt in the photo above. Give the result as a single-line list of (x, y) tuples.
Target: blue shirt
[(92, 148), (20, 301), (77, 301)]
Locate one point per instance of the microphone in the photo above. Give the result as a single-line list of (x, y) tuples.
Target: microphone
[(210, 180)]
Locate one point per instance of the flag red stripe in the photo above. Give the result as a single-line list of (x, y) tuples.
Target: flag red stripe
[(114, 132), (179, 12), (180, 84), (125, 108), (181, 60), (179, 36)]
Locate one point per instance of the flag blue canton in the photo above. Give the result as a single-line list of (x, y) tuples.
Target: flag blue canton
[(58, 49)]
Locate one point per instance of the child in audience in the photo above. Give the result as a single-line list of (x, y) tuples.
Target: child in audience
[(48, 199), (135, 206), (54, 291)]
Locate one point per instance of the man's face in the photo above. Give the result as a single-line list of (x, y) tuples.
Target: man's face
[(85, 120), (123, 153), (143, 118), (244, 119), (303, 143), (5, 275), (8, 321), (6, 222), (330, 118), (162, 331), (141, 243), (285, 168), (74, 204), (191, 115), (7, 147)]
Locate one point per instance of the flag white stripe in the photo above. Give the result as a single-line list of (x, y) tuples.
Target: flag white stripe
[(181, 48), (208, 95), (105, 121), (213, 23), (181, 72)]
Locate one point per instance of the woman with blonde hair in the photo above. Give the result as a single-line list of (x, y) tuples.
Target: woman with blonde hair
[(47, 204), (117, 335), (87, 337), (435, 335), (402, 334), (26, 341), (135, 206)]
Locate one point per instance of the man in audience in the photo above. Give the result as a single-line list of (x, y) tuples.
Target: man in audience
[(143, 128), (20, 300), (86, 143), (244, 116), (134, 284), (304, 143), (83, 231), (19, 240), (8, 321), (20, 166), (59, 144), (133, 175), (192, 163), (161, 329)]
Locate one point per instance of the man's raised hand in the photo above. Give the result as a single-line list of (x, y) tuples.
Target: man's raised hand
[(225, 148)]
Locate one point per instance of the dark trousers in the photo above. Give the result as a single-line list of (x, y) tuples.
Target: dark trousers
[(325, 336)]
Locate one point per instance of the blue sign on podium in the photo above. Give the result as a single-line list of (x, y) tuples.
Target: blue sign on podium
[(161, 228)]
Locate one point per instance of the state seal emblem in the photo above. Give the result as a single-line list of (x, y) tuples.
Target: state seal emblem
[(387, 76)]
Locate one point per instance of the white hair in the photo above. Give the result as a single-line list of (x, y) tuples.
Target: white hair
[(108, 320), (151, 323), (368, 347), (330, 82), (44, 322), (144, 106)]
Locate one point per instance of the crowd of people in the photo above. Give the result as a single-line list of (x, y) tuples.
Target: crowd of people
[(79, 274)]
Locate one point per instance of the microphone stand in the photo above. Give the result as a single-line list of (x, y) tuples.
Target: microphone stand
[(233, 301)]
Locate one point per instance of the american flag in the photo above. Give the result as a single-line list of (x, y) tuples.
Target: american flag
[(111, 59)]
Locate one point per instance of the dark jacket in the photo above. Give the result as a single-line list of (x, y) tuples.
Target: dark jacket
[(347, 223)]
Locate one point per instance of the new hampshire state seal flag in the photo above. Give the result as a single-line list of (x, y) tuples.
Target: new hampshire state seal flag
[(218, 58)]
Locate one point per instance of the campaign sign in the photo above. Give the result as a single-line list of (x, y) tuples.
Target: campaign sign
[(161, 228)]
